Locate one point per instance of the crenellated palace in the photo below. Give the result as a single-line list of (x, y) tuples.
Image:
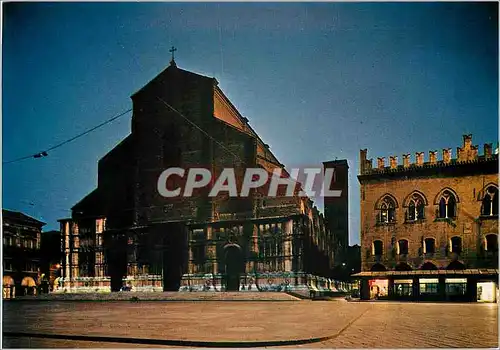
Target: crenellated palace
[(429, 229)]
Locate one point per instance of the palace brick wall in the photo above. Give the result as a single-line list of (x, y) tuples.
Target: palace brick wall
[(468, 209), (468, 180)]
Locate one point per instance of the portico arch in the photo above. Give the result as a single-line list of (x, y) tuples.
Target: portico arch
[(428, 265), (378, 267), (403, 267), (455, 265)]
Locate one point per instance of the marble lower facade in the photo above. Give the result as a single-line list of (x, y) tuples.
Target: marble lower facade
[(271, 254), (142, 283), (263, 282)]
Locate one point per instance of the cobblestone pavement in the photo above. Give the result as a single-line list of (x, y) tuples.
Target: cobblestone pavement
[(352, 325), (420, 325), (193, 321)]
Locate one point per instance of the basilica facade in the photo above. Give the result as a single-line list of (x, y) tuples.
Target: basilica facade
[(124, 234)]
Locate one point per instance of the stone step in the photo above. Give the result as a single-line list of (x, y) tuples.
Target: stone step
[(165, 296)]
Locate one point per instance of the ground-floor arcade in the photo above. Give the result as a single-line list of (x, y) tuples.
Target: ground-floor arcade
[(430, 285), (18, 286)]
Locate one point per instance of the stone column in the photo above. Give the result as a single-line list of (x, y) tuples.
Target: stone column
[(416, 288), (442, 288), (390, 288), (255, 246), (74, 254), (364, 290), (210, 249), (471, 289), (190, 253), (287, 249), (66, 235)]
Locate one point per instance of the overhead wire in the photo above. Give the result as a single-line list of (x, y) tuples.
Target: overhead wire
[(45, 153)]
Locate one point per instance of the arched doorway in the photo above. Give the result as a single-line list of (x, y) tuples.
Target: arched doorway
[(233, 259)]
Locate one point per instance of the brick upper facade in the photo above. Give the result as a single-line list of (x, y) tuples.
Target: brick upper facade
[(431, 212)]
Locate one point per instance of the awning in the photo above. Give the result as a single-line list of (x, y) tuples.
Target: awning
[(7, 281), (426, 273), (28, 282)]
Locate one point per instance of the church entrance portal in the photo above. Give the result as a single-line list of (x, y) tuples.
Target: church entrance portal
[(234, 266)]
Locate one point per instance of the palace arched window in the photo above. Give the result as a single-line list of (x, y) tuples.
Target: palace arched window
[(490, 202), (491, 243), (429, 246), (387, 210), (377, 247), (402, 247), (416, 207), (447, 205), (456, 245)]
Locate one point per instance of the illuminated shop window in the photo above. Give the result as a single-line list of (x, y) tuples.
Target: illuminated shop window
[(428, 285), (456, 286), (486, 292), (403, 287), (378, 288)]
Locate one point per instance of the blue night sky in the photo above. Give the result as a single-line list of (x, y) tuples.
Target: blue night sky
[(317, 81)]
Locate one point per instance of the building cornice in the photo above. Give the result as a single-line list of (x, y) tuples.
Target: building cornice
[(481, 165)]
